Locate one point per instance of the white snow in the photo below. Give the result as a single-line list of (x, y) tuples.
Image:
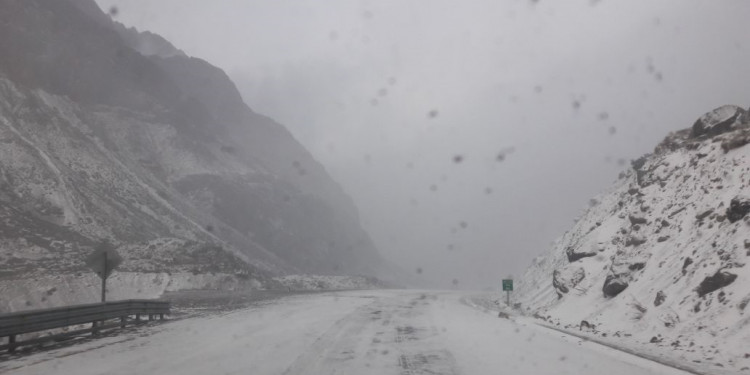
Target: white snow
[(363, 332), (326, 282), (710, 332)]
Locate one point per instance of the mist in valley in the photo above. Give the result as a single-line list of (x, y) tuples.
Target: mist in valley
[(470, 135)]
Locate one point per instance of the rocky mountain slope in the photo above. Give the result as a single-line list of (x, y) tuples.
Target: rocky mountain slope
[(659, 262), (109, 133)]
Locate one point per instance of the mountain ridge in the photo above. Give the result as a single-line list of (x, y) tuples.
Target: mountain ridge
[(103, 138)]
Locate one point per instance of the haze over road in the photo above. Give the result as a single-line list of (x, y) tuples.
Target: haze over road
[(358, 332)]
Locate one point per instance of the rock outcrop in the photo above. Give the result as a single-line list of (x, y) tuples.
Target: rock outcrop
[(718, 121), (575, 256), (738, 208), (567, 279), (715, 282), (673, 230)]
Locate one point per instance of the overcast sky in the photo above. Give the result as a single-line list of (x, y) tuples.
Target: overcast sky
[(542, 102)]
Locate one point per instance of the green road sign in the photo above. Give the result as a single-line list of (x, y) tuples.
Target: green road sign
[(507, 285)]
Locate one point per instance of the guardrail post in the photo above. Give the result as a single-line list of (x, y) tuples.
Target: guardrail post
[(94, 328), (137, 318), (11, 343), (123, 321), (161, 316)]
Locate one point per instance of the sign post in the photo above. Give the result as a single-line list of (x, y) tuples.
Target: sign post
[(103, 261), (508, 287)]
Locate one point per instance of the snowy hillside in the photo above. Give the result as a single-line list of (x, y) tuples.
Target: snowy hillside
[(660, 260), (109, 133)]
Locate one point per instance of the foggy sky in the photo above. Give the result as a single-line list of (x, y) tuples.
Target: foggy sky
[(386, 94)]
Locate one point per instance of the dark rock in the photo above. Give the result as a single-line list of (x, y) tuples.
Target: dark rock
[(660, 297), (637, 164), (637, 266), (614, 285), (662, 238), (586, 324), (559, 286), (673, 141), (638, 167), (738, 208), (716, 122), (704, 214), (677, 211), (634, 220), (574, 256), (715, 282), (736, 140), (563, 280), (688, 261), (655, 340), (635, 241), (722, 296)]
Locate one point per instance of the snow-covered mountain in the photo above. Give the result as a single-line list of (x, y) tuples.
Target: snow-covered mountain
[(110, 133), (660, 260)]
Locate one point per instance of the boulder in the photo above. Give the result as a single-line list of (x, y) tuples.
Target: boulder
[(688, 261), (614, 285), (660, 297), (718, 121), (587, 325), (574, 256), (635, 240), (565, 279), (636, 219), (738, 208), (704, 214), (715, 282), (637, 266)]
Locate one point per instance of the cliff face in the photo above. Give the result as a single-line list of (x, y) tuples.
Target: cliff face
[(661, 259), (106, 132)]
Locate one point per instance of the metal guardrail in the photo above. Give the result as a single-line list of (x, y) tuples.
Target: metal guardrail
[(97, 314)]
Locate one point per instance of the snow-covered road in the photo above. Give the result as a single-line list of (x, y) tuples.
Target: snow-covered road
[(358, 332)]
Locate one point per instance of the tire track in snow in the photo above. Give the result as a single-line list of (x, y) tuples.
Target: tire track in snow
[(387, 336), (335, 345)]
